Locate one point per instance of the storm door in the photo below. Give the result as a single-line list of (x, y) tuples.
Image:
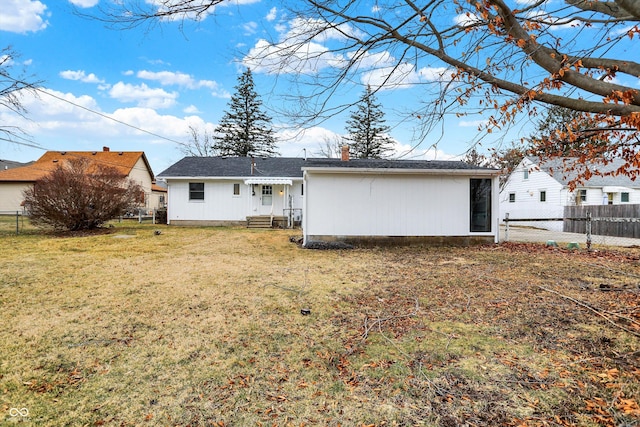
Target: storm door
[(266, 200)]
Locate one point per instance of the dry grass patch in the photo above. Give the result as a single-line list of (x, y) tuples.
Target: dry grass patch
[(202, 326)]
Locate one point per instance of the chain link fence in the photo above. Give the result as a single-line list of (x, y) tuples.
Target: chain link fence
[(549, 231), (17, 222), (13, 222)]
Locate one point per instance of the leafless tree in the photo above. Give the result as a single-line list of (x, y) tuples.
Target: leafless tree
[(331, 147), (201, 144), (13, 85), (80, 195)]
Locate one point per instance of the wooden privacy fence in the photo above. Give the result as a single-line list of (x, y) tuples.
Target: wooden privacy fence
[(606, 220)]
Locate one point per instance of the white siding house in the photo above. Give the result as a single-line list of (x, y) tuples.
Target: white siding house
[(380, 200), (231, 190), (540, 190), (351, 201)]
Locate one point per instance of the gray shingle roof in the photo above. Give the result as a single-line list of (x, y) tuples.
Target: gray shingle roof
[(291, 167), (10, 164), (557, 169), (288, 167), (393, 164)]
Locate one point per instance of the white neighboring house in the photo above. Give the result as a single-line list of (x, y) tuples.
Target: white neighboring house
[(540, 189), (340, 200)]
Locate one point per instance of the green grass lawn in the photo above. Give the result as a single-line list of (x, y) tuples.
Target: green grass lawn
[(203, 326)]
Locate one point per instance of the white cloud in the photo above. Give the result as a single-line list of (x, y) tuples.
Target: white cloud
[(143, 95), (273, 13), (84, 3), (467, 20), (249, 28), (304, 48), (306, 29), (409, 152), (208, 9), (221, 93), (301, 48), (290, 58), (167, 78), (6, 60), (80, 75), (22, 16), (191, 109), (381, 70), (148, 119), (60, 105), (294, 142), (472, 123)]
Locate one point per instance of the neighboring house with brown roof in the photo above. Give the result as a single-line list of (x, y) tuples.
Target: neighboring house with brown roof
[(133, 164)]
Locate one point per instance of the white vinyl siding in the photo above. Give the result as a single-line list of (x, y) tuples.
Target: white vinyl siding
[(220, 204), (387, 205)]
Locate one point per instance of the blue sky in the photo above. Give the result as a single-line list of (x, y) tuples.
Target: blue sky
[(163, 78)]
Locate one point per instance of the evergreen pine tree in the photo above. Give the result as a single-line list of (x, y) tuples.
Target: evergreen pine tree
[(245, 130), (367, 135)]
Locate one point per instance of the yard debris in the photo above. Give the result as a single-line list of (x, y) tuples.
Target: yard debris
[(328, 245)]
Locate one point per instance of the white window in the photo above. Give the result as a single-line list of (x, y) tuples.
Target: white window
[(543, 196), (236, 189), (582, 195), (512, 197), (526, 174)]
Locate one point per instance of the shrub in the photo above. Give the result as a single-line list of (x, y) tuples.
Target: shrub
[(80, 195)]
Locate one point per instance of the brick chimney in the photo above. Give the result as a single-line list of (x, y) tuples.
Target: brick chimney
[(345, 153), (105, 148)]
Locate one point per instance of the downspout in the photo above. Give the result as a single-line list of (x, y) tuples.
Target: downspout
[(305, 213)]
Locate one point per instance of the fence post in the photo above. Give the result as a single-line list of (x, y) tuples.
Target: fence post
[(17, 222), (506, 227), (588, 227)]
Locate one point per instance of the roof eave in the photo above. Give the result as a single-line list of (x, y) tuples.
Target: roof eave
[(227, 178), (389, 171)]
